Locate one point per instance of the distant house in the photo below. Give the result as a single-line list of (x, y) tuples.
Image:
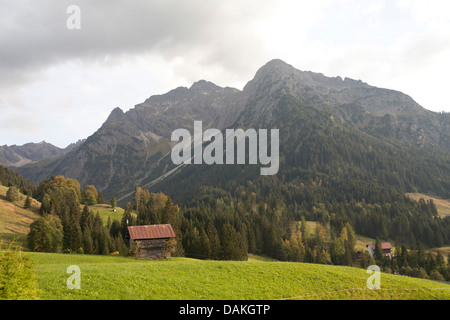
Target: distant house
[(386, 247), (358, 255), (151, 241)]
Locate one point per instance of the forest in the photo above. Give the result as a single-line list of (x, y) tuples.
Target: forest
[(227, 226)]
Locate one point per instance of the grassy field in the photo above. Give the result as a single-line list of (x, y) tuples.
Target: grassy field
[(15, 219), (116, 277), (442, 205), (106, 212)]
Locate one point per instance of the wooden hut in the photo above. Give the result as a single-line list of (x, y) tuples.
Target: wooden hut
[(386, 248), (151, 241)]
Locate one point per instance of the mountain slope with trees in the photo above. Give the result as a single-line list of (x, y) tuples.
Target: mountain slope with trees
[(348, 154)]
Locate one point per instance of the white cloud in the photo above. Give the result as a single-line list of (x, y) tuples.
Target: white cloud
[(426, 12), (127, 51)]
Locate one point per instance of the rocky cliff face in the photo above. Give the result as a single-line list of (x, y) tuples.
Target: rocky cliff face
[(130, 147)]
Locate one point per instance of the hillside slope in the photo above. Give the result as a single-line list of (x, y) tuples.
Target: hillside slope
[(113, 277), (442, 205), (15, 220)]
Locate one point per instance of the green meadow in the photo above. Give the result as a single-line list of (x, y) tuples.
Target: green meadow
[(122, 278), (106, 212)]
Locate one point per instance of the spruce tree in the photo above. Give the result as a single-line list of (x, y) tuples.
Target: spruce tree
[(86, 219), (75, 234), (440, 261), (88, 244), (27, 204), (234, 247), (378, 255), (100, 199), (113, 202), (214, 240)]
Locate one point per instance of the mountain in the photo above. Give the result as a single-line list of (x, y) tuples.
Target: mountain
[(328, 126), (127, 147), (377, 111), (16, 156)]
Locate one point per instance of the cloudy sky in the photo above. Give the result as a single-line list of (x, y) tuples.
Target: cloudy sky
[(59, 83)]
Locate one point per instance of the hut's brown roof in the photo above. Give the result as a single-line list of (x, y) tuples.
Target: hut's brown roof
[(154, 231), (384, 246)]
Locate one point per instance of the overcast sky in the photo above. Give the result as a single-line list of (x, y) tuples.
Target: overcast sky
[(59, 84)]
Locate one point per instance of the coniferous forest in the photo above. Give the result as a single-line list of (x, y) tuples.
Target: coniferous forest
[(228, 226)]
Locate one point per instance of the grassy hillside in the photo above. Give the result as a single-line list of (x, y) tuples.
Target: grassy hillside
[(442, 205), (115, 277), (106, 212), (15, 220)]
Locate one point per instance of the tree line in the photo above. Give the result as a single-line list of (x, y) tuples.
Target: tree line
[(67, 224), (10, 178), (415, 262), (223, 227)]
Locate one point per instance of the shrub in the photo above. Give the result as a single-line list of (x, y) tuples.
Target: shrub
[(435, 275), (46, 234), (17, 277), (12, 194)]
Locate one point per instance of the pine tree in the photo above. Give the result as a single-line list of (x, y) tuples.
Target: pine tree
[(233, 244), (421, 258), (100, 199), (440, 261), (304, 229), (378, 255), (214, 241), (88, 244), (108, 223), (126, 221), (120, 245), (46, 205), (75, 234), (86, 219), (113, 202), (137, 199), (100, 236), (27, 204), (205, 246), (403, 258)]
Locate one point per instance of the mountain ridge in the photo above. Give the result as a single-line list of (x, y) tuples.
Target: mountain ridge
[(130, 147), (16, 156)]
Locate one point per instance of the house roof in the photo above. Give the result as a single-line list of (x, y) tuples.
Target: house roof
[(154, 231), (384, 246)]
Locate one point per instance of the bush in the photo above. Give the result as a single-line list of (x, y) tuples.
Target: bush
[(420, 273), (435, 275), (46, 234), (12, 194), (17, 277)]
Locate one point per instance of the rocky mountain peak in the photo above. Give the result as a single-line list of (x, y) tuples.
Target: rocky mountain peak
[(204, 85), (115, 115)]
